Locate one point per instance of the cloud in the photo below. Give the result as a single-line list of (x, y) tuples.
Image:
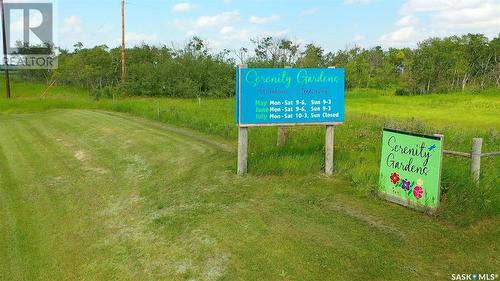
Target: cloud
[(243, 35), (443, 18), (264, 20), (184, 7), (230, 37), (407, 20), (134, 37), (359, 37), (71, 25), (353, 2), (226, 30), (105, 28), (217, 20), (484, 16), (309, 12), (413, 6), (402, 37)]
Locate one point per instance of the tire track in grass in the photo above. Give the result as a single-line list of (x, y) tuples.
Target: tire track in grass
[(126, 210), (114, 191), (166, 130), (150, 138)]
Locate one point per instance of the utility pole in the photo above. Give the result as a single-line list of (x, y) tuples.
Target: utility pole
[(5, 58), (124, 68)]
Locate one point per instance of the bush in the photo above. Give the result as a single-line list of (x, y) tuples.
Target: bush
[(403, 92)]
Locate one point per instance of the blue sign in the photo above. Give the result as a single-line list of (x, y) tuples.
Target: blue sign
[(290, 96)]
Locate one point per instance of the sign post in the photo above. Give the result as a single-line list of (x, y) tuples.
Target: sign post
[(410, 169), (329, 144), (284, 97), (242, 150), (242, 133)]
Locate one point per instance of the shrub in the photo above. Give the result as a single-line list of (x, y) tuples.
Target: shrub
[(403, 92)]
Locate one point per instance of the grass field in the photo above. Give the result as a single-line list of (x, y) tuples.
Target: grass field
[(89, 194), (460, 117)]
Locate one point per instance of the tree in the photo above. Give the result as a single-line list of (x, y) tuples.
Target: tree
[(312, 57)]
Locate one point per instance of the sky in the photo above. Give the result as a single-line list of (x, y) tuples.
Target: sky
[(230, 24)]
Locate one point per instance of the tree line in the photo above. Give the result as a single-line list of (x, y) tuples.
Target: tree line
[(436, 65)]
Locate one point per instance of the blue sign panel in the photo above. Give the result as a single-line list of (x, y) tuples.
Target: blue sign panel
[(289, 96)]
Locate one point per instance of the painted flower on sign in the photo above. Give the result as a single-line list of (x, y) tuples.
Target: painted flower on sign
[(406, 185), (420, 182), (418, 192), (395, 178)]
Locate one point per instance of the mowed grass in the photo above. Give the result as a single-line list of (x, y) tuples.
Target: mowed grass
[(459, 116), (93, 195)]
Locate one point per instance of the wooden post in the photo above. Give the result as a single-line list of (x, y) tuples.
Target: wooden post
[(282, 131), (242, 150), (242, 135), (441, 136), (158, 109), (329, 144), (475, 163)]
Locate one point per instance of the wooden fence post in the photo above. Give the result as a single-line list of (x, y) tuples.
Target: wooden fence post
[(329, 145), (441, 136), (158, 110), (475, 162), (242, 150), (282, 132)]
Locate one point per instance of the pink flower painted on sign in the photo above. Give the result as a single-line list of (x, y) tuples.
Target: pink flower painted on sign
[(418, 192)]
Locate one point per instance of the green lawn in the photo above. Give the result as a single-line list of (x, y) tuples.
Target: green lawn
[(91, 195), (459, 116), (465, 110)]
